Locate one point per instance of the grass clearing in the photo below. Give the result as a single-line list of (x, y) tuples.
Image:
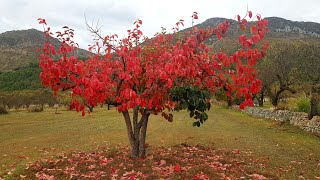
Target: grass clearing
[(26, 137)]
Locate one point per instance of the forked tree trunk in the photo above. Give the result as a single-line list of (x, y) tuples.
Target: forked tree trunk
[(283, 87), (137, 131), (91, 108), (275, 97)]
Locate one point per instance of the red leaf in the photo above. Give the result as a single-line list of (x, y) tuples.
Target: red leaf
[(258, 17), (244, 22), (250, 14), (169, 83), (162, 162), (177, 168), (195, 15), (254, 29), (265, 46), (236, 151), (42, 21)]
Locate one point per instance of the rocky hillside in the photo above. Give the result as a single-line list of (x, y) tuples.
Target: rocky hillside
[(19, 48), (279, 27)]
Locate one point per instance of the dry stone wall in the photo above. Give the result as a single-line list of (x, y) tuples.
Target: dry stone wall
[(295, 118)]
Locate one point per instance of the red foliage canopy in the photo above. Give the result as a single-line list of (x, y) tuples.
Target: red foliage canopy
[(136, 71)]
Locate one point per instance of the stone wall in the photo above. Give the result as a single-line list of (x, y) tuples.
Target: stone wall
[(295, 118)]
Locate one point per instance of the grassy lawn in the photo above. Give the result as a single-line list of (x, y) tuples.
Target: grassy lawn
[(26, 137)]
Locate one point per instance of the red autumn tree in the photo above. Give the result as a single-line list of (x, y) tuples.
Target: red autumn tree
[(157, 75)]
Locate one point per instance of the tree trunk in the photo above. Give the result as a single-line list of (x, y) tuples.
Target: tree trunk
[(283, 87), (260, 99), (135, 148), (276, 97), (229, 102), (137, 132), (314, 102), (91, 108), (143, 135)]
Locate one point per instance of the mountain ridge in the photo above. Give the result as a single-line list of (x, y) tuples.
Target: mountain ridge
[(276, 25), (19, 48)]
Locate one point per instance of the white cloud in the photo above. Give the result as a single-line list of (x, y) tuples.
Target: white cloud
[(117, 16)]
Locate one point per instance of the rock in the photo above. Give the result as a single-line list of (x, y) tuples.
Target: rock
[(298, 119), (35, 108)]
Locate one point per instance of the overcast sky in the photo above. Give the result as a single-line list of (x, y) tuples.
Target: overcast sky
[(116, 16)]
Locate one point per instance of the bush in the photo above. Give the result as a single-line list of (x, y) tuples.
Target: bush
[(35, 108), (282, 106), (3, 110), (238, 101), (303, 104), (220, 95)]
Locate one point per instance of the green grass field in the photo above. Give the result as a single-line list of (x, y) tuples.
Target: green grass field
[(26, 137)]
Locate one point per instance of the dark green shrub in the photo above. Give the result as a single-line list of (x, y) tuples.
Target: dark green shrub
[(220, 95), (238, 101)]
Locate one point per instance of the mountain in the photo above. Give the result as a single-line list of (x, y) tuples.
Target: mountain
[(279, 27), (304, 29), (19, 48)]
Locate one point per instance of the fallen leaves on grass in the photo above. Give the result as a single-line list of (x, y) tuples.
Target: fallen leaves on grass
[(177, 162)]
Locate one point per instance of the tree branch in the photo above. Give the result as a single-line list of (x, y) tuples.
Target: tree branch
[(96, 32), (111, 102)]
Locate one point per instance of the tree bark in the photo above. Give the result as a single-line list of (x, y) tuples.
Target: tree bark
[(314, 102), (143, 135), (129, 127), (135, 148), (137, 132)]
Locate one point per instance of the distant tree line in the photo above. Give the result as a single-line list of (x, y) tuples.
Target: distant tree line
[(23, 99), (26, 78), (290, 66)]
